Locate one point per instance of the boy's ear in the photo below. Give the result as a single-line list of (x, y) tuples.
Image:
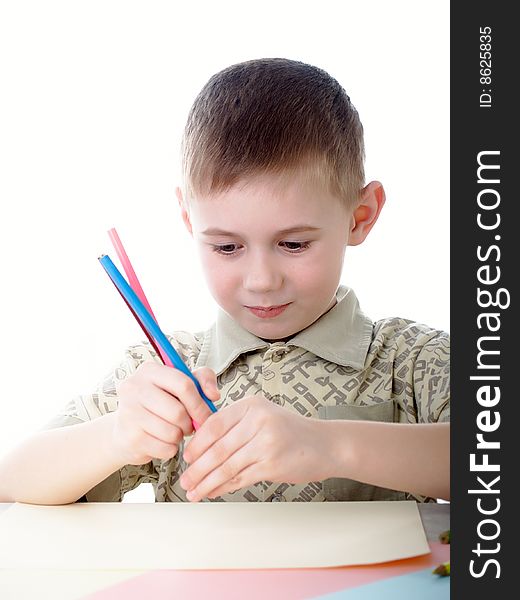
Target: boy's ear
[(367, 212), (184, 210)]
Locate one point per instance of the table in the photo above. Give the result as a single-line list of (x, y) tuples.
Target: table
[(256, 584)]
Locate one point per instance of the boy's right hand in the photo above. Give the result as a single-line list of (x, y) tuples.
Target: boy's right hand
[(156, 407)]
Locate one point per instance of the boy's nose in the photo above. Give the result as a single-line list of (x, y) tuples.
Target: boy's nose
[(262, 275)]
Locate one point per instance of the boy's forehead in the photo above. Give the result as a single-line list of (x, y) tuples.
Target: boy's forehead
[(267, 202)]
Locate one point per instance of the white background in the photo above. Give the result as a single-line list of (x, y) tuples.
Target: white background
[(94, 99)]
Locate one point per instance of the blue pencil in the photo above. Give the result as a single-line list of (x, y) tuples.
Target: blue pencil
[(148, 322)]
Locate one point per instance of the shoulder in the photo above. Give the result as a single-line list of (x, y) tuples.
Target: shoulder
[(399, 330), (412, 342), (406, 340)]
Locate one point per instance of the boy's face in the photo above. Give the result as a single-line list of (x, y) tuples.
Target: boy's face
[(252, 265)]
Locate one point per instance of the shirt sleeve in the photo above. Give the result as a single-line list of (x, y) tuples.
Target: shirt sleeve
[(103, 400), (431, 380)]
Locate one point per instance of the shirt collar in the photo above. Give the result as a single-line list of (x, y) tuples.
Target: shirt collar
[(342, 336)]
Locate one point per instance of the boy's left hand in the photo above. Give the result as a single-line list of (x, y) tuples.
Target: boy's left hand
[(254, 440)]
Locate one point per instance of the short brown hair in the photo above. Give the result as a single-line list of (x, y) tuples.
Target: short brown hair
[(272, 115)]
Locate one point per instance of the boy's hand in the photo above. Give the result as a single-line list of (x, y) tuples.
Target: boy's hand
[(253, 440), (155, 406)]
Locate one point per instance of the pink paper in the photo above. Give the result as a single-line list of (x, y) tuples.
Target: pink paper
[(260, 584)]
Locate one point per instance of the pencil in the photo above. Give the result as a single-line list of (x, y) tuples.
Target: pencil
[(136, 286), (129, 269), (148, 322)]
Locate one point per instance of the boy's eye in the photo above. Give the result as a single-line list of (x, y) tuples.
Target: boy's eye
[(229, 249), (225, 249), (296, 246)]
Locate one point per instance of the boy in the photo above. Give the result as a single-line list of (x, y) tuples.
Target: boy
[(315, 401)]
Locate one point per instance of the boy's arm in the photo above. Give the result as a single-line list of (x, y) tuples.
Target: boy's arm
[(59, 466), (254, 440), (409, 457), (71, 454)]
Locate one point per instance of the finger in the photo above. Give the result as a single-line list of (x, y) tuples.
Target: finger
[(229, 473), (167, 408), (221, 451), (159, 428), (208, 381), (249, 476), (158, 449), (179, 385), (214, 429)]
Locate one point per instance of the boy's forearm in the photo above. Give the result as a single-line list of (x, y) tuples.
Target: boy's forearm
[(58, 466), (408, 457)]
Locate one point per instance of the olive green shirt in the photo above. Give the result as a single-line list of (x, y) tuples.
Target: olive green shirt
[(343, 366)]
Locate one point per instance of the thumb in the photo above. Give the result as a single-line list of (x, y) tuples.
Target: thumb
[(208, 382)]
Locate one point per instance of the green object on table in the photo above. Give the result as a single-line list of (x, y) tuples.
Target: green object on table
[(443, 569)]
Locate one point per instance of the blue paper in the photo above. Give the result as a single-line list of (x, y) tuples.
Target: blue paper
[(419, 585)]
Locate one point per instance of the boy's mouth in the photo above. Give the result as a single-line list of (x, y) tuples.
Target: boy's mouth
[(268, 312)]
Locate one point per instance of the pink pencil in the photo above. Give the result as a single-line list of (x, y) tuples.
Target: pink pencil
[(129, 270), (136, 286)]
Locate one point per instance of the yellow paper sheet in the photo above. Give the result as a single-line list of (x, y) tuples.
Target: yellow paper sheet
[(209, 535)]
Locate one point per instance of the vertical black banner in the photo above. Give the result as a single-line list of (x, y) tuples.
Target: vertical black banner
[(485, 241)]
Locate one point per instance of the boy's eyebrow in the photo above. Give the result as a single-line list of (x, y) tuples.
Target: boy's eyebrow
[(295, 229)]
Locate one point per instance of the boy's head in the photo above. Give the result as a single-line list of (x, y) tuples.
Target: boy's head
[(269, 116), (272, 145)]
